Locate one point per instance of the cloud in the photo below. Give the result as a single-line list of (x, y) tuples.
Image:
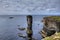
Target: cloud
[(29, 7)]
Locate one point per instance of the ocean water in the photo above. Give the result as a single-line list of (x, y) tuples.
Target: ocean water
[(9, 27)]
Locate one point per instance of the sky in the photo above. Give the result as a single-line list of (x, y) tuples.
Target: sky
[(29, 7)]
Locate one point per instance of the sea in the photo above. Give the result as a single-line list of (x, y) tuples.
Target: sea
[(9, 25)]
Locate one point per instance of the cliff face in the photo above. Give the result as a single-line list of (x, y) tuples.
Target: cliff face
[(51, 25)]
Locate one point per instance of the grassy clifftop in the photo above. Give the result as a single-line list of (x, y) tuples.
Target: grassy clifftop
[(56, 18)]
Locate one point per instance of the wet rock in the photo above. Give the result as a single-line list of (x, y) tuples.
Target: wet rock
[(22, 29), (43, 34), (50, 32), (21, 35), (11, 17)]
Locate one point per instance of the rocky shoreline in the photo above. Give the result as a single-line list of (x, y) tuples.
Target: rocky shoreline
[(51, 26)]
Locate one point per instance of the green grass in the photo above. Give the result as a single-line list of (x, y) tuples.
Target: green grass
[(57, 18)]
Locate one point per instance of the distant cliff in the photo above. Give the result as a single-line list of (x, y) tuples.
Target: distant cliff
[(51, 26)]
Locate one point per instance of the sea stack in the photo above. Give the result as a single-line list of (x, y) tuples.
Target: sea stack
[(29, 28)]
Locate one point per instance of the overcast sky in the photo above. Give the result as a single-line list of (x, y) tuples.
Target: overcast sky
[(29, 7)]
